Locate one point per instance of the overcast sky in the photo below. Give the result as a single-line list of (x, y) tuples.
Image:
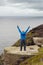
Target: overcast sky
[(21, 7)]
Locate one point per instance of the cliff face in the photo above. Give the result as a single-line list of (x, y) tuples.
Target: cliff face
[(13, 59), (13, 55), (35, 60), (10, 58), (35, 32), (38, 30)]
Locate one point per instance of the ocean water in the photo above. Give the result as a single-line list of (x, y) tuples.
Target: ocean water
[(8, 29)]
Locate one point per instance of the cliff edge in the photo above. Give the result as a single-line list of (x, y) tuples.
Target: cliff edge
[(13, 55)]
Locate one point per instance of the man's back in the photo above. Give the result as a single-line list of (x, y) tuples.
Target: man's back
[(22, 33)]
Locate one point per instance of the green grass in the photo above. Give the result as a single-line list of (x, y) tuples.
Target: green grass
[(41, 49)]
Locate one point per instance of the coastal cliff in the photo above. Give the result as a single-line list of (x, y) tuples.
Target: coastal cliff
[(13, 56), (35, 32)]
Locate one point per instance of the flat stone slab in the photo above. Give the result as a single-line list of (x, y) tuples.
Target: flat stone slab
[(30, 50)]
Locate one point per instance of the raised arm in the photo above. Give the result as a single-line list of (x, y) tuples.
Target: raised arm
[(18, 29), (27, 29)]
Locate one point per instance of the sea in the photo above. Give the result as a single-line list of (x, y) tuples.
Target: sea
[(9, 33)]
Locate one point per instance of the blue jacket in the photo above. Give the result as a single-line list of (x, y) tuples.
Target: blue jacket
[(23, 34)]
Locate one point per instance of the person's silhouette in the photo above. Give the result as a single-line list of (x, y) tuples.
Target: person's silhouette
[(23, 38)]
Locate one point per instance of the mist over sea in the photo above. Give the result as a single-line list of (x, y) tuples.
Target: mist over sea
[(8, 28)]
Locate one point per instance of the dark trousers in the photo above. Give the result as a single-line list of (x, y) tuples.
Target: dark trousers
[(23, 43)]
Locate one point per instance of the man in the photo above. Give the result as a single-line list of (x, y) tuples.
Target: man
[(23, 38)]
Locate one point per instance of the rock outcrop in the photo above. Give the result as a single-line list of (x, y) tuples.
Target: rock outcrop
[(38, 40), (13, 55)]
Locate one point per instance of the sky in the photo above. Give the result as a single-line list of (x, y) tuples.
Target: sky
[(21, 7)]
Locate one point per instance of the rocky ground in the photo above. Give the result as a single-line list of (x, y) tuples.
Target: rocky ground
[(30, 50), (13, 55)]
